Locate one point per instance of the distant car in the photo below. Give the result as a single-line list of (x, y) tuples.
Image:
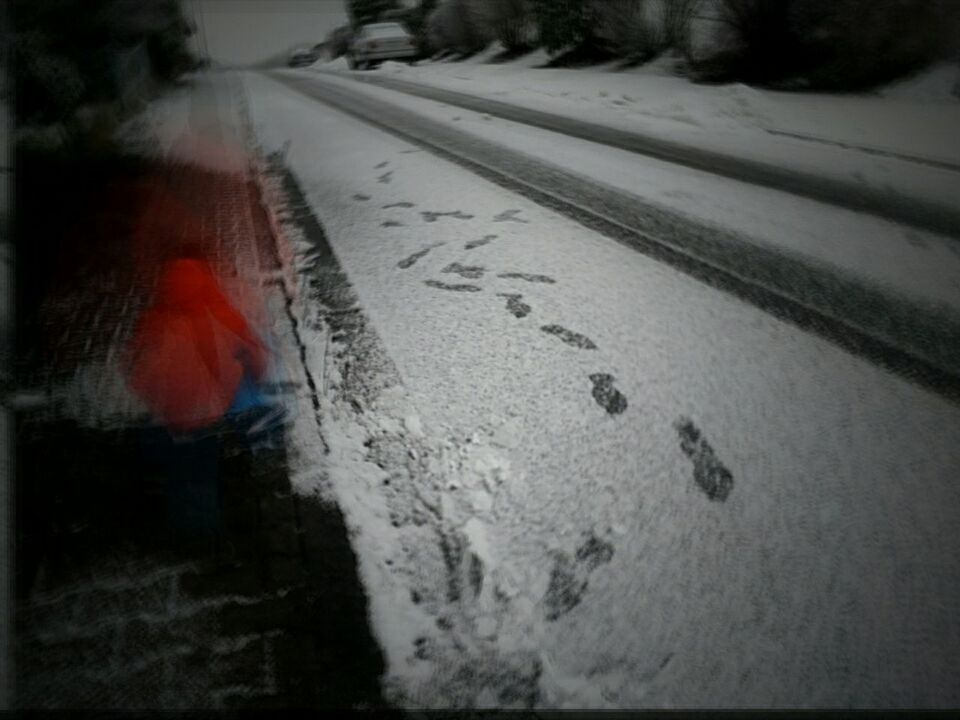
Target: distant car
[(302, 56), (380, 41)]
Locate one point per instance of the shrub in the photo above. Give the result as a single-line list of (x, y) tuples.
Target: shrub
[(369, 11), (338, 41), (851, 44), (830, 44), (512, 22), (451, 26), (629, 28), (72, 53), (677, 19), (566, 23)]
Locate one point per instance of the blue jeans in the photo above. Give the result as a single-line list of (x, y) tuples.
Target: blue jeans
[(191, 468)]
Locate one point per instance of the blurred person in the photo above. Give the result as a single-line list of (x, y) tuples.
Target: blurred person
[(198, 367)]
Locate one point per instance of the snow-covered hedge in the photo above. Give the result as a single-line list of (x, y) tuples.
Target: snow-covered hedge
[(453, 26), (830, 44), (833, 44)]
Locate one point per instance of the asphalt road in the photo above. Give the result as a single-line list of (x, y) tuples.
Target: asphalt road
[(703, 505)]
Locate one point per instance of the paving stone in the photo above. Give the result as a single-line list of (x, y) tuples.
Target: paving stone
[(241, 517), (72, 656), (283, 541), (246, 580), (285, 571), (245, 667), (269, 614), (141, 638), (276, 512)]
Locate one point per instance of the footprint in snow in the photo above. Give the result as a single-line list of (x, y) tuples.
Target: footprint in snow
[(527, 277), (479, 243), (382, 165), (434, 216), (510, 216), (566, 589), (606, 395), (361, 197), (398, 205), (569, 337), (570, 576), (470, 272), (515, 304), (915, 239), (391, 223), (708, 472), (385, 178), (452, 287), (410, 261)]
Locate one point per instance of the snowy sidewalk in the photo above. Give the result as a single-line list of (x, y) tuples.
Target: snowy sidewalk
[(895, 155), (111, 614)]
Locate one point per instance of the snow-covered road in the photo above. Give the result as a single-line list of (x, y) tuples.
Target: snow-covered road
[(698, 504)]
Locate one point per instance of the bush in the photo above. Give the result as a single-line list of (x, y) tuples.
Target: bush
[(369, 11), (677, 19), (71, 53), (829, 44), (49, 86), (851, 44), (629, 28), (511, 22), (451, 26), (338, 42), (763, 48), (566, 23)]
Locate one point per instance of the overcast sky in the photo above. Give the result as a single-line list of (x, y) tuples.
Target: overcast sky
[(244, 31)]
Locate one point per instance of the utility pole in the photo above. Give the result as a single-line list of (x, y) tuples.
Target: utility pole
[(6, 366)]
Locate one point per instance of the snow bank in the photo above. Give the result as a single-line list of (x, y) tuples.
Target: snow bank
[(937, 84), (339, 63)]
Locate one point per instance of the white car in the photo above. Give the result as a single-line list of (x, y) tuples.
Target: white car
[(380, 41)]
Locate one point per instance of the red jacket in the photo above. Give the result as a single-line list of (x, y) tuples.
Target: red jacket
[(190, 349)]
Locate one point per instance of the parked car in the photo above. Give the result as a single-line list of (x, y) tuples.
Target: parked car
[(302, 56), (380, 41)]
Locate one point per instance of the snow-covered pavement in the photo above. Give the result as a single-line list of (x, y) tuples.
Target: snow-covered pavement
[(913, 118), (677, 499), (907, 261), (865, 279), (859, 150)]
